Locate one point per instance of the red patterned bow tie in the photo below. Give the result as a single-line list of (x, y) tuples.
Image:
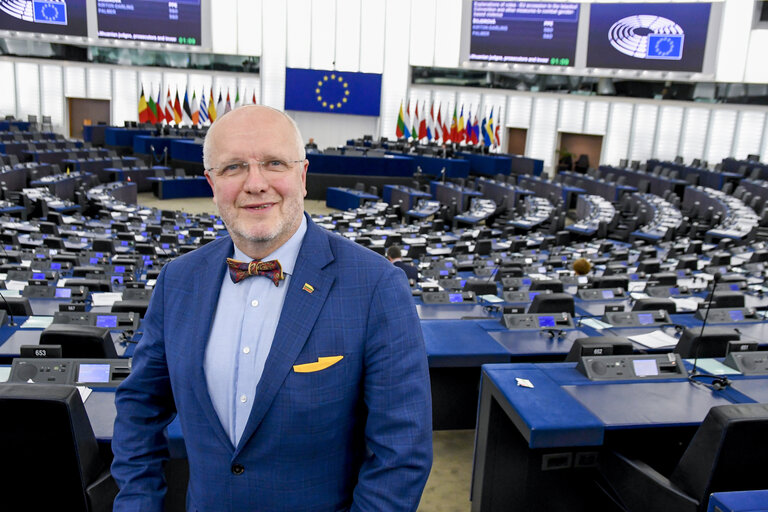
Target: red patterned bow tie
[(239, 270)]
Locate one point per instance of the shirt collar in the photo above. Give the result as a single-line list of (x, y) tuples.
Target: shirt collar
[(286, 253)]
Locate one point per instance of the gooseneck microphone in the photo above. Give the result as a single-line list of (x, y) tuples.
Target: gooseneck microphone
[(10, 313), (718, 382)]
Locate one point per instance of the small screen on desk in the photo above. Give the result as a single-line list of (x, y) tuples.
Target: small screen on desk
[(94, 261), (448, 264), (645, 367), (38, 275), (736, 315), (546, 321), (55, 266), (455, 297), (542, 270), (526, 281), (463, 282), (607, 294), (733, 287), (119, 269), (444, 272), (674, 290), (63, 293), (91, 372), (106, 321), (645, 318)]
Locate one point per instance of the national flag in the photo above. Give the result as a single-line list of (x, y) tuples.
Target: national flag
[(160, 108), (143, 108), (454, 128), (211, 107), (446, 131), (407, 119), (439, 126), (460, 128), (401, 130), (186, 109), (468, 129), (431, 122), (177, 109), (423, 123), (486, 136), (415, 129), (195, 107), (152, 109), (475, 131), (203, 109), (308, 288), (228, 106), (497, 136), (220, 107), (169, 107), (253, 98), (490, 128), (237, 98)]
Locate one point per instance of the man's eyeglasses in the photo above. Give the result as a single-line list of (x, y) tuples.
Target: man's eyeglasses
[(238, 169)]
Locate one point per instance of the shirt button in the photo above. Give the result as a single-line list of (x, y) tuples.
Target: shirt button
[(238, 469), (246, 350), (243, 398), (254, 303)]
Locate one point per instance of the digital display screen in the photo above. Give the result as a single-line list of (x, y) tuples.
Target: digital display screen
[(736, 315), (633, 277), (734, 287), (117, 279), (63, 293), (653, 36), (119, 269), (455, 297), (444, 272), (55, 266), (448, 264), (92, 372), (106, 321), (94, 261), (546, 321), (645, 367), (526, 281), (46, 17), (153, 21), (645, 318), (524, 32), (38, 275), (607, 294), (674, 290), (463, 282)]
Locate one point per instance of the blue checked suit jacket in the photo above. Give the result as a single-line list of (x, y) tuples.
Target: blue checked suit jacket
[(353, 436)]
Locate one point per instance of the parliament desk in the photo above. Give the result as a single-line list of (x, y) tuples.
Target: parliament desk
[(22, 126), (354, 165), (454, 167), (346, 198), (94, 134), (62, 185), (177, 187), (143, 144), (187, 150), (123, 137), (138, 175), (536, 448), (405, 196), (488, 165)]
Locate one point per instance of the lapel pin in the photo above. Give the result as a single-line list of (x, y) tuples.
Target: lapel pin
[(308, 288)]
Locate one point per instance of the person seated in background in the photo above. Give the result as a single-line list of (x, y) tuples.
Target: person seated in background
[(395, 255), (582, 266), (311, 146)]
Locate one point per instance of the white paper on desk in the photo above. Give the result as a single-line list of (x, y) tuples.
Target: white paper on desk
[(637, 286), (106, 298), (538, 276), (685, 305), (15, 286), (85, 392), (68, 219), (5, 372), (640, 295), (37, 322), (491, 298), (655, 339), (150, 283), (26, 263), (596, 324)]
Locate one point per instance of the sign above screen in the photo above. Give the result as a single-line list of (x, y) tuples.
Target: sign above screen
[(524, 32), (658, 37), (152, 21), (45, 17)]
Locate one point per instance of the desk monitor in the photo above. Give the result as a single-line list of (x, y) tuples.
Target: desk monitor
[(84, 341), (598, 346), (712, 343), (546, 321), (645, 318)]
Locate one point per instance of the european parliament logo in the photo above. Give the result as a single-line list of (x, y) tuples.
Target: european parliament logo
[(646, 36), (333, 92), (50, 12)]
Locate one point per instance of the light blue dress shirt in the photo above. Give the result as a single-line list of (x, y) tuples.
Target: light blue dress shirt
[(241, 336)]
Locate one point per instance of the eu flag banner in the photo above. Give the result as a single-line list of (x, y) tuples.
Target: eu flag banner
[(50, 12), (335, 92)]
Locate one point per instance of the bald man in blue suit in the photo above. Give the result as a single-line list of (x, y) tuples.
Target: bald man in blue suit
[(297, 368)]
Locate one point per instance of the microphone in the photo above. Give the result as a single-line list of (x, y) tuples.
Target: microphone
[(10, 314), (495, 269), (718, 382)]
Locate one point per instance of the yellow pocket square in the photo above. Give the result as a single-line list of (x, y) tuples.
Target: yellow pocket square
[(321, 364)]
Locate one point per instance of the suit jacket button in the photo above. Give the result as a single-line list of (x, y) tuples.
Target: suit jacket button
[(238, 469)]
